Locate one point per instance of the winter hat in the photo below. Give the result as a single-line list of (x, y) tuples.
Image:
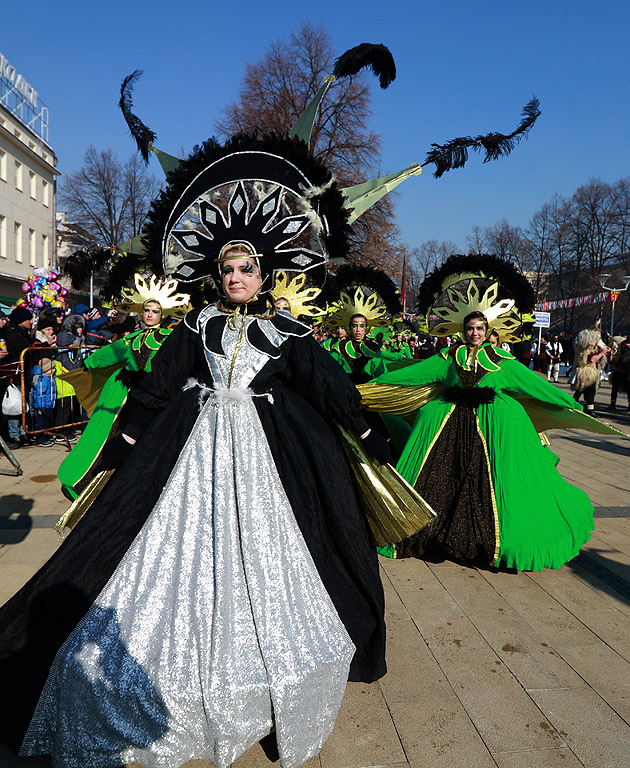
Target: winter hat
[(47, 322), (20, 314)]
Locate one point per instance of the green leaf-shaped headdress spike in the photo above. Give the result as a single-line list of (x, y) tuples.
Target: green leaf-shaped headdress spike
[(360, 197)]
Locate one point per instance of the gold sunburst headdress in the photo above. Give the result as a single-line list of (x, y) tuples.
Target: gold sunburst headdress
[(362, 291), (297, 295), (157, 289), (476, 283)]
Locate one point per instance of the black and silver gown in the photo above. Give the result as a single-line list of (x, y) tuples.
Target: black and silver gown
[(226, 588)]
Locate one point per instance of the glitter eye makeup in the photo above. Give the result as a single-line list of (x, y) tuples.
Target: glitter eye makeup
[(226, 269), (249, 268)]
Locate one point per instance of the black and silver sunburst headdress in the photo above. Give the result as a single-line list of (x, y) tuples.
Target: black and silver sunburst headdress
[(270, 193), (265, 191)]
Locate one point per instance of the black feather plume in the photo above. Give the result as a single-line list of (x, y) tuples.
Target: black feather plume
[(143, 135), (454, 153), (373, 55), (85, 262)]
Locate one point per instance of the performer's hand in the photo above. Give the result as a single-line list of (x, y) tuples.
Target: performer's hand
[(115, 452), (377, 446)]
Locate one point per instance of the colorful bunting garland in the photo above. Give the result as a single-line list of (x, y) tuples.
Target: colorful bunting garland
[(579, 301)]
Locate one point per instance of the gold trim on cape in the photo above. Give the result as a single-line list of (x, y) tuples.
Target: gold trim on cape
[(400, 399), (393, 508), (84, 501)]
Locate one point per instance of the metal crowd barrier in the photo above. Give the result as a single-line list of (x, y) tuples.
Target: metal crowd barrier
[(50, 407)]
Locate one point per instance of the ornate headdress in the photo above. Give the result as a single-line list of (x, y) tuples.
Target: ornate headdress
[(361, 291), (270, 192), (158, 289), (476, 283), (297, 295)]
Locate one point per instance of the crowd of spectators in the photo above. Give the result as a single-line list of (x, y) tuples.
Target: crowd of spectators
[(55, 344)]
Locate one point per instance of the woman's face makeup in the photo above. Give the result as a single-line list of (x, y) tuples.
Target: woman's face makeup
[(475, 332), (240, 279), (151, 314), (282, 304), (358, 327)]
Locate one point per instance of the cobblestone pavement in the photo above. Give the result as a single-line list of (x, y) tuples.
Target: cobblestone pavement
[(486, 670)]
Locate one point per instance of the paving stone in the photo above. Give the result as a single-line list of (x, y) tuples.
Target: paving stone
[(364, 734), (532, 662), (441, 621), (593, 731), (36, 547), (13, 577), (611, 597), (470, 683), (576, 596), (437, 733), (613, 628), (556, 626), (612, 559), (394, 606), (474, 590), (411, 667), (541, 758), (605, 671), (503, 713), (409, 574)]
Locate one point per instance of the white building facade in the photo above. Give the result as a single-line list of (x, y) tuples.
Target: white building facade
[(28, 179)]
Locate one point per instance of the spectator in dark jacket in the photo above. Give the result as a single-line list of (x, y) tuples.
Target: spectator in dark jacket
[(17, 336), (95, 320)]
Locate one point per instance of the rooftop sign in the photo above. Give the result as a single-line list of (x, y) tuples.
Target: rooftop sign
[(19, 97), (17, 81)]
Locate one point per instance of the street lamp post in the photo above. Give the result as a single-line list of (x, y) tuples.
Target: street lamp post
[(603, 279)]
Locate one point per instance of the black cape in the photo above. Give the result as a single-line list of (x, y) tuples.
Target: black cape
[(310, 391)]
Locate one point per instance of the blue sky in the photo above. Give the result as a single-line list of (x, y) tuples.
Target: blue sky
[(463, 68)]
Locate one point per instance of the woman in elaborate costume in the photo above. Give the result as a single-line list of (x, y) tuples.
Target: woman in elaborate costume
[(474, 453), (232, 588), (126, 361)]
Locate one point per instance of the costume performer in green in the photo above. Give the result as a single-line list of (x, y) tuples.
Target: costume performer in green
[(474, 453), (365, 299), (128, 359)]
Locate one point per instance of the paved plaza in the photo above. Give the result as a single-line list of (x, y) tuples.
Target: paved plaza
[(486, 670)]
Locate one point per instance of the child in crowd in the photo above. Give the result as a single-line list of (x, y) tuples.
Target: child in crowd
[(44, 395)]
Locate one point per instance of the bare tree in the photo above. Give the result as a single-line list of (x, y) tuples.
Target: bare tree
[(477, 242), (274, 93), (109, 199), (421, 261)]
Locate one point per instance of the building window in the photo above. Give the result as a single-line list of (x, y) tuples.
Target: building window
[(32, 184), (45, 193), (32, 247), (3, 165), (18, 241), (3, 237), (45, 254), (18, 175)]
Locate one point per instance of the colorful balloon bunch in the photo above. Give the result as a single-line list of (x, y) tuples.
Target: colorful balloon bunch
[(42, 291)]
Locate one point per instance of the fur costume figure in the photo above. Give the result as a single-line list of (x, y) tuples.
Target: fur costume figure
[(589, 344)]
